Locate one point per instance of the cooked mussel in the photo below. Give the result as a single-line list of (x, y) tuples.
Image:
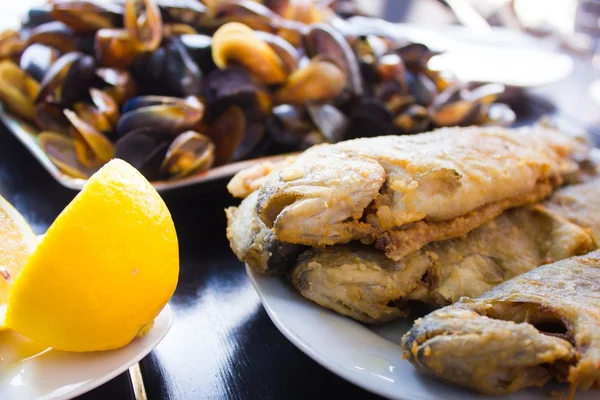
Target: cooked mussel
[(93, 149), (144, 148), (122, 85), (143, 22), (60, 149), (235, 86), (188, 12), (227, 133), (199, 48), (322, 39), (17, 90), (84, 16), (37, 59), (168, 114), (114, 48), (248, 12), (286, 52), (236, 43), (190, 152), (68, 79), (55, 34), (320, 81), (11, 45)]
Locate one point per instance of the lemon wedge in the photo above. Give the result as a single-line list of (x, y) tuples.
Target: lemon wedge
[(17, 242), (104, 270)]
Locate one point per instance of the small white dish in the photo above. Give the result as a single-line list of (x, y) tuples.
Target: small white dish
[(58, 375), (368, 356)]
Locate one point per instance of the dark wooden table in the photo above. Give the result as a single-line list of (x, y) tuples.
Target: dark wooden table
[(222, 343)]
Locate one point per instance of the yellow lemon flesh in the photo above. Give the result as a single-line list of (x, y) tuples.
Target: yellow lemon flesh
[(103, 271), (17, 242)]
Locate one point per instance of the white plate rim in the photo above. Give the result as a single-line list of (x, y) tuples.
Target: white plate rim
[(435, 389), (165, 319)]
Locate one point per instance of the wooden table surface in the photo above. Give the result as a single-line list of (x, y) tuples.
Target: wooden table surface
[(222, 343)]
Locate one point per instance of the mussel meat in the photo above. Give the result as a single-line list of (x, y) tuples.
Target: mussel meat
[(227, 133), (235, 43), (55, 34), (85, 16), (17, 90), (60, 149), (68, 79), (92, 147), (122, 84), (37, 59), (145, 149), (319, 82), (190, 152), (114, 48), (143, 22), (171, 115), (321, 39)]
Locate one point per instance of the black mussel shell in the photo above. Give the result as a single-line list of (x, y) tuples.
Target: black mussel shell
[(330, 121), (254, 133), (232, 86), (288, 128), (37, 16), (182, 74), (369, 117), (148, 69), (37, 59), (190, 12), (199, 48), (70, 86), (145, 149)]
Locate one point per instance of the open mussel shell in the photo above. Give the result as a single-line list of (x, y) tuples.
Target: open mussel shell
[(391, 68), (60, 149), (414, 55), (55, 34), (414, 120), (173, 115), (457, 113), (234, 86), (181, 73), (286, 52), (247, 12), (199, 48), (94, 148), (423, 88), (289, 128), (189, 152), (330, 121), (320, 81), (321, 39), (189, 12), (236, 44), (68, 79), (11, 45), (91, 115), (485, 94), (49, 117), (114, 48), (227, 133), (87, 16), (17, 90), (144, 24), (122, 84), (145, 149), (369, 117), (37, 59), (106, 105)]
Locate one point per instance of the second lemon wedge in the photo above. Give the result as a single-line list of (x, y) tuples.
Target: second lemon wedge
[(17, 242), (104, 270)]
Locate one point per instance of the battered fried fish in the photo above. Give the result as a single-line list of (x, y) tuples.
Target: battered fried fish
[(539, 326), (406, 191), (362, 283)]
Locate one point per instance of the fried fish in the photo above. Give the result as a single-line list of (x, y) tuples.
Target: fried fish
[(361, 282), (539, 326), (403, 192)]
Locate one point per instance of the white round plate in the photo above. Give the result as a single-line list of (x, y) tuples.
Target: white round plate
[(369, 357), (54, 375)]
